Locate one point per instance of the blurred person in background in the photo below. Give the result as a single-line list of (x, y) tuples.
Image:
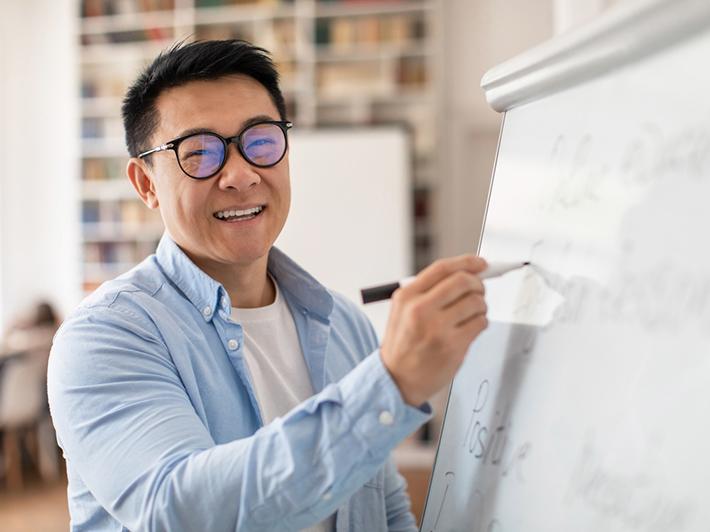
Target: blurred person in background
[(33, 331), (24, 412), (218, 386)]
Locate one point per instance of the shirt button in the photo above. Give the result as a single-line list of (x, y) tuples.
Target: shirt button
[(232, 344), (327, 496), (386, 418), (207, 311), (224, 302)]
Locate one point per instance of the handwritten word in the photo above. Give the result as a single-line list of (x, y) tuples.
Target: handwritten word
[(633, 500), (488, 443)]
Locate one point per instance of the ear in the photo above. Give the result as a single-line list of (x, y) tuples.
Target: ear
[(142, 180)]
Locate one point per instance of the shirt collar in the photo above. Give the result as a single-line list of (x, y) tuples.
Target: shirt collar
[(205, 293), (301, 286), (199, 288)]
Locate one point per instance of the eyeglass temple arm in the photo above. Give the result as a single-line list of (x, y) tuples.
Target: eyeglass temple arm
[(162, 147)]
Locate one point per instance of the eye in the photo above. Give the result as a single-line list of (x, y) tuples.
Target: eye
[(264, 141), (196, 152)]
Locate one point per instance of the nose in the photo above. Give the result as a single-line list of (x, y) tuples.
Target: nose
[(237, 173)]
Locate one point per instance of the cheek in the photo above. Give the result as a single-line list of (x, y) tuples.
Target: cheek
[(184, 204), (285, 189), (287, 194)]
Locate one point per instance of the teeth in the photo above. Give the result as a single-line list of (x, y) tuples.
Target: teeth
[(236, 213)]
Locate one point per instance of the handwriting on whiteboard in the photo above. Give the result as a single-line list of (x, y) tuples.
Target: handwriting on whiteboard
[(489, 442), (662, 298), (583, 168), (629, 498)]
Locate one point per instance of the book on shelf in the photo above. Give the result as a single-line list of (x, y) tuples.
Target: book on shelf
[(156, 34), (347, 33), (104, 168), (103, 8)]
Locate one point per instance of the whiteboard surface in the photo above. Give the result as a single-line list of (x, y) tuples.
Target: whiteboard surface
[(350, 223), (584, 405)]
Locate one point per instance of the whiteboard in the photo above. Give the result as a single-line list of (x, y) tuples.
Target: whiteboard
[(584, 405), (350, 222)]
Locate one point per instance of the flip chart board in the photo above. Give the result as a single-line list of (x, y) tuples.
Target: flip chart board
[(584, 406)]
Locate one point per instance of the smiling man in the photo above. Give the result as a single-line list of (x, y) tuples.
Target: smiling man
[(217, 385)]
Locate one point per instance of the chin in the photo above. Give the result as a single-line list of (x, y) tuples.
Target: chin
[(243, 256)]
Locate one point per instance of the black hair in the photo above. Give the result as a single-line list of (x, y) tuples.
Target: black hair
[(45, 314), (185, 62)]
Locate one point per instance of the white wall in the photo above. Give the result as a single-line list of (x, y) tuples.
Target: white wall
[(478, 35), (39, 187)]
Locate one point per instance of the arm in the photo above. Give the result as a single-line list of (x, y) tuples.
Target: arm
[(127, 426)]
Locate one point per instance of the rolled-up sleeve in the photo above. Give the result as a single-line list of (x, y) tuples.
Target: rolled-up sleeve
[(126, 422)]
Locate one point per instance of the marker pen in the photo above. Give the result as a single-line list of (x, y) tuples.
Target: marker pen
[(385, 291)]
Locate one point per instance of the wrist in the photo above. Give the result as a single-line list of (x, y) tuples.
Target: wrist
[(406, 390)]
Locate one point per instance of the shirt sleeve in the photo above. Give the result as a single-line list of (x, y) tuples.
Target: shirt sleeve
[(128, 427)]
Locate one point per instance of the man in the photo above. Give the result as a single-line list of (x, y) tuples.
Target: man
[(218, 386)]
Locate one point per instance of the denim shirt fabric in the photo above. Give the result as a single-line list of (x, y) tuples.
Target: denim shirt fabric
[(157, 417)]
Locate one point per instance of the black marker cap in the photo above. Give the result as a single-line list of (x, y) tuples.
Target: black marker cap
[(378, 293)]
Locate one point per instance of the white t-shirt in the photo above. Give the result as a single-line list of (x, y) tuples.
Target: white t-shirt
[(276, 364)]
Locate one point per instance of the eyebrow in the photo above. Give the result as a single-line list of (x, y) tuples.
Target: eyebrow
[(248, 122)]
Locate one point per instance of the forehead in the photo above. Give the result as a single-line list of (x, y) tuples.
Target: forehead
[(221, 105)]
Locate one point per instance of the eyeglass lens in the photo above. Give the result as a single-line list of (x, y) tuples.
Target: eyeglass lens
[(201, 155)]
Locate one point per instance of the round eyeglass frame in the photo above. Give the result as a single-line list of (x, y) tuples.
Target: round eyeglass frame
[(174, 144)]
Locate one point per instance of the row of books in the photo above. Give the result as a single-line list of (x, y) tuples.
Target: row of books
[(157, 34), (127, 212), (367, 78), (101, 127), (105, 84), (117, 252), (281, 42), (100, 8), (346, 33), (219, 3), (103, 169)]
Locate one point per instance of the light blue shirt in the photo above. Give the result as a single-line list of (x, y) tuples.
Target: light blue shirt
[(156, 413)]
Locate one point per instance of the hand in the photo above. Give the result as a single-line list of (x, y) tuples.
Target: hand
[(432, 322)]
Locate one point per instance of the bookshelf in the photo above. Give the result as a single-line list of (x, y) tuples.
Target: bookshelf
[(342, 63)]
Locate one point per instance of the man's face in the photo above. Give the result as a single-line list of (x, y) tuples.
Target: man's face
[(189, 206)]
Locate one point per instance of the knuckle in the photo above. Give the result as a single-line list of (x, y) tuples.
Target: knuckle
[(398, 295), (481, 263), (483, 322), (441, 267), (461, 279), (417, 311)]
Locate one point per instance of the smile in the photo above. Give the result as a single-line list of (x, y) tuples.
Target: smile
[(235, 214)]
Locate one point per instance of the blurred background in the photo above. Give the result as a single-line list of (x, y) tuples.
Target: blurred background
[(69, 219)]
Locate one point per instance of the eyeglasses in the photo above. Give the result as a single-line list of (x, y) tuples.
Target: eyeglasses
[(202, 155)]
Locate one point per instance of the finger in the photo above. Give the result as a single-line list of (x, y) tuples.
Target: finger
[(469, 330), (443, 268), (464, 309), (454, 287)]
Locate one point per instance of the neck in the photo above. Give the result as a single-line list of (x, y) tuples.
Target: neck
[(248, 286)]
